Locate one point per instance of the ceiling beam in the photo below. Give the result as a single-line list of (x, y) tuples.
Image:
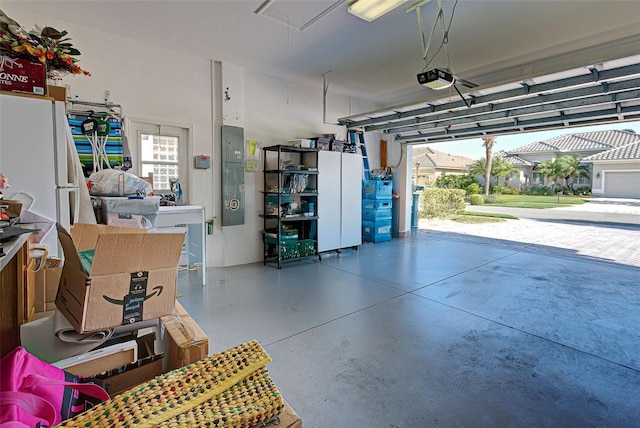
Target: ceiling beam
[(441, 134)]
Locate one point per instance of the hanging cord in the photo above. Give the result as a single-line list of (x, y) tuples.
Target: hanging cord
[(445, 33)]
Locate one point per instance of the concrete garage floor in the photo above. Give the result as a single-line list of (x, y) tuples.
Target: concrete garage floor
[(436, 331)]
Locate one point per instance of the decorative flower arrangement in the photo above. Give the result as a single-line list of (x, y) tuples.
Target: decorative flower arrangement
[(47, 45)]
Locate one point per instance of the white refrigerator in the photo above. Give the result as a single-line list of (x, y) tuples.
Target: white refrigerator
[(35, 156)]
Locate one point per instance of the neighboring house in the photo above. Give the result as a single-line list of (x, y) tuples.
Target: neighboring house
[(592, 147), (616, 173), (519, 180), (429, 164)]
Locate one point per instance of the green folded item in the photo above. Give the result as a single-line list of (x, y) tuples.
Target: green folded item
[(86, 258)]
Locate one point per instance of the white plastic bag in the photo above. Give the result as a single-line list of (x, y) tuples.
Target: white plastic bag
[(111, 182)]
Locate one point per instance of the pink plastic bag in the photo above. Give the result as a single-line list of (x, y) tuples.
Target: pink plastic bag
[(34, 393)]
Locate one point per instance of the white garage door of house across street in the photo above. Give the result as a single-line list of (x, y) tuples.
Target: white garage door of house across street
[(622, 184)]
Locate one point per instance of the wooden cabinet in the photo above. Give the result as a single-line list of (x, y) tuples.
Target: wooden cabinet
[(17, 291)]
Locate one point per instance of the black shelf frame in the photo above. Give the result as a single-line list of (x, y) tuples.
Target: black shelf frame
[(273, 223)]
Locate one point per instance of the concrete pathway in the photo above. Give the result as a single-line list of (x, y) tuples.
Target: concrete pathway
[(604, 229)]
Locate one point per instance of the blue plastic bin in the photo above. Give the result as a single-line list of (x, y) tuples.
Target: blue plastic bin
[(377, 189), (376, 209), (377, 231)]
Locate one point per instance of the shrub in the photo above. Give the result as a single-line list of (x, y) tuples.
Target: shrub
[(583, 191), (441, 203), (476, 199), (538, 191), (452, 181), (490, 199), (496, 189), (499, 189), (474, 189), (508, 190)]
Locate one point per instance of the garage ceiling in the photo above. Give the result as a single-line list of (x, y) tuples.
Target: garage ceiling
[(490, 42)]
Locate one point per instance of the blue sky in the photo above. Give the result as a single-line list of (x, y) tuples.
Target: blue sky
[(473, 148)]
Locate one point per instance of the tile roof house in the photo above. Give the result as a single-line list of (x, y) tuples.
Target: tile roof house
[(429, 164), (614, 155)]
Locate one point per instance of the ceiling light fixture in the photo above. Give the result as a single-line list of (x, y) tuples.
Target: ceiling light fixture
[(373, 9)]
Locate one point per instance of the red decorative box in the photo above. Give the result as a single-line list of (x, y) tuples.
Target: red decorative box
[(22, 75)]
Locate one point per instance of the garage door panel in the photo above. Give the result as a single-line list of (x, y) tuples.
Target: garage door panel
[(622, 184)]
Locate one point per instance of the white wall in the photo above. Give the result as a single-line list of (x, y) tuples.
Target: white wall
[(275, 111), (162, 85)]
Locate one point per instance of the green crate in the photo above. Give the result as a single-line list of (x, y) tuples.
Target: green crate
[(289, 248), (284, 239), (306, 247)]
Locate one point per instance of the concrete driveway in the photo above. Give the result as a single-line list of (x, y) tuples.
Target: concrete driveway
[(604, 229)]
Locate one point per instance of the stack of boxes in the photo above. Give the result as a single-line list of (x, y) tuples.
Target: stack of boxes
[(120, 281), (376, 210)]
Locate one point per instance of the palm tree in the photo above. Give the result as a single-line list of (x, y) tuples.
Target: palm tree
[(488, 143), (573, 168), (552, 169), (477, 168), (502, 168)]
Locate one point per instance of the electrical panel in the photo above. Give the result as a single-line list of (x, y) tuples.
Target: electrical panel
[(233, 203)]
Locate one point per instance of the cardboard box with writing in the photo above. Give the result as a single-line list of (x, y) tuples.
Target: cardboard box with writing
[(187, 343), (23, 75), (132, 276)]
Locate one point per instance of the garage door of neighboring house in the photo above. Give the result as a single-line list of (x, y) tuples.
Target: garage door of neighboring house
[(622, 184)]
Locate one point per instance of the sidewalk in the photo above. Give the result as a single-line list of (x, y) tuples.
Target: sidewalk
[(605, 241), (607, 205)]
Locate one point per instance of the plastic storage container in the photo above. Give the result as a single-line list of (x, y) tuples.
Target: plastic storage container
[(122, 211), (377, 189), (377, 231), (376, 209)]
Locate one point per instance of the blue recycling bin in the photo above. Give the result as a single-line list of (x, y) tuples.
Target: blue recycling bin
[(415, 208)]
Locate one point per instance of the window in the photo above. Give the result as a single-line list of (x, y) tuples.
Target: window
[(583, 181), (537, 179), (159, 156), (161, 152)]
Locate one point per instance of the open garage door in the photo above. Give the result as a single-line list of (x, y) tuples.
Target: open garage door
[(594, 94), (622, 184)]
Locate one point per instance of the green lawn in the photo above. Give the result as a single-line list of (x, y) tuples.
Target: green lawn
[(494, 215), (530, 201), (472, 219)]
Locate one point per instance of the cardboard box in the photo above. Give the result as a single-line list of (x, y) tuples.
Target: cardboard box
[(46, 284), (133, 374), (29, 293), (148, 366), (22, 75), (187, 343), (289, 418), (99, 360), (58, 93), (133, 276)]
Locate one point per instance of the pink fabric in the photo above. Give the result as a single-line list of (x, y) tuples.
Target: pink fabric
[(33, 391)]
